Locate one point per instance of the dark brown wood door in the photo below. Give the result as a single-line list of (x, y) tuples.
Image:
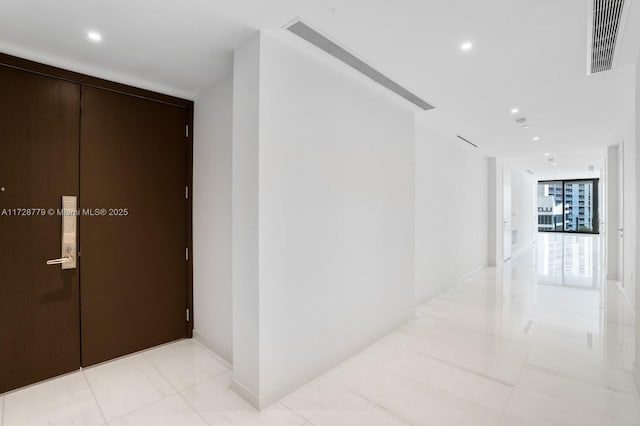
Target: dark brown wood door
[(39, 140), (132, 266)]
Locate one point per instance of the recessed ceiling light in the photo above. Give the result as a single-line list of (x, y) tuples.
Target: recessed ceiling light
[(467, 45), (536, 138), (546, 154), (514, 110), (525, 126), (94, 36), (554, 164)]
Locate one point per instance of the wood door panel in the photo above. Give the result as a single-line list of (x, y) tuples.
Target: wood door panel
[(39, 142), (133, 268)]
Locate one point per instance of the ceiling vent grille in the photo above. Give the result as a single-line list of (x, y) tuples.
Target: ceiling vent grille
[(605, 27), (314, 37)]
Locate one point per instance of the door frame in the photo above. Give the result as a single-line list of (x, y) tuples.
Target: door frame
[(621, 216), (507, 215), (86, 80)]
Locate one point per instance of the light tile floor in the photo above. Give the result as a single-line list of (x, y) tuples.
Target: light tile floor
[(542, 341)]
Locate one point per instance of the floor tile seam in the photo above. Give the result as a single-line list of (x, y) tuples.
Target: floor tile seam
[(161, 375), (576, 406), (304, 417), (525, 362), (344, 388), (209, 375), (461, 368), (206, 379), (142, 407), (295, 413), (93, 395), (392, 413), (580, 380), (138, 408), (200, 345), (186, 400)]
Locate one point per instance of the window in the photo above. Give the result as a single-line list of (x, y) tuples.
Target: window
[(568, 206)]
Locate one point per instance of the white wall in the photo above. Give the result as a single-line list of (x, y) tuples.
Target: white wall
[(636, 200), (451, 211), (494, 199), (335, 213), (212, 217), (245, 220)]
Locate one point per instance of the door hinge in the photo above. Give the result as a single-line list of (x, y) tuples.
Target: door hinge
[(186, 253), (186, 192), (188, 316), (187, 130)]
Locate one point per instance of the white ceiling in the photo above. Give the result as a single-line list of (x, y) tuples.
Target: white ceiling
[(529, 54)]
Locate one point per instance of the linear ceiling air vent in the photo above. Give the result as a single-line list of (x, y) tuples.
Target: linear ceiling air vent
[(312, 36), (605, 27), (467, 141)]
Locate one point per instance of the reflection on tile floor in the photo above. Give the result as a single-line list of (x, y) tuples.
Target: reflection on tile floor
[(542, 341)]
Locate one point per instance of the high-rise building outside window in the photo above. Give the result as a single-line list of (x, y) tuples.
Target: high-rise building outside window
[(550, 206)]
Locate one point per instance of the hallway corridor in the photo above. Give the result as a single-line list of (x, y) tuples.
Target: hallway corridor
[(542, 341)]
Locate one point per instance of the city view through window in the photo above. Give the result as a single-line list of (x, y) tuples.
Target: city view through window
[(568, 206)]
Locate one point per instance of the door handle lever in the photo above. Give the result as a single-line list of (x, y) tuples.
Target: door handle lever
[(68, 237), (59, 261), (67, 259)]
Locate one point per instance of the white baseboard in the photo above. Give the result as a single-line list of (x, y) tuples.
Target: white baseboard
[(246, 393), (261, 402), (453, 284), (206, 342), (520, 250), (469, 274)]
